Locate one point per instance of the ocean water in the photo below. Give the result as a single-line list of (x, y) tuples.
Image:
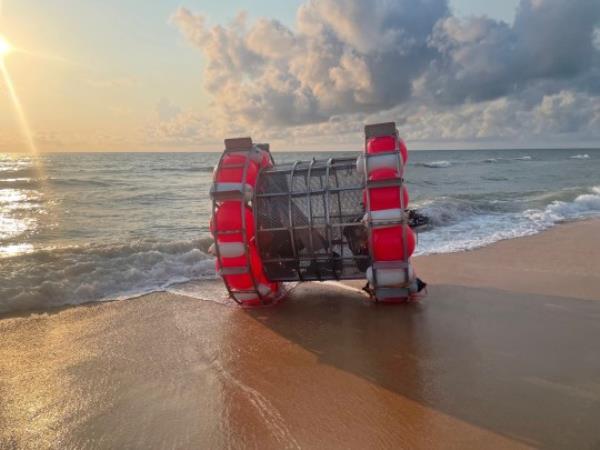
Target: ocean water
[(76, 228)]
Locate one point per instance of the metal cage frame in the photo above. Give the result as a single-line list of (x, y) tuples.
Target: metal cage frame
[(312, 262), (327, 167)]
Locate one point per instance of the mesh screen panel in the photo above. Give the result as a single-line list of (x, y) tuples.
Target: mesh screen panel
[(308, 225)]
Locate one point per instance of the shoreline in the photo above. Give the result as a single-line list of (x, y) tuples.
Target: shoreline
[(215, 283), (503, 353)]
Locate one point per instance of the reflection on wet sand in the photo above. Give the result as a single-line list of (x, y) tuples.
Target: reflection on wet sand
[(482, 363)]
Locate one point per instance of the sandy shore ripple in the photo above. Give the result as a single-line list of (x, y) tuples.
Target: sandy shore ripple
[(504, 353)]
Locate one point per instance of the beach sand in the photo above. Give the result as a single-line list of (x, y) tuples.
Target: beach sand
[(504, 353)]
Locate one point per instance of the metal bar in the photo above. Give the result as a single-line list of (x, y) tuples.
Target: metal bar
[(344, 163), (380, 223), (328, 215), (291, 220), (309, 278), (237, 144), (260, 169), (320, 258), (222, 196), (304, 193), (368, 208), (337, 183), (237, 270), (390, 182), (310, 218), (380, 130), (305, 227)]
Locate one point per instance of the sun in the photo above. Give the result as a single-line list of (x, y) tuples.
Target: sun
[(5, 47)]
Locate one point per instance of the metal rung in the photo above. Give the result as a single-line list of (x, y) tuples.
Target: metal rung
[(238, 270), (392, 182), (306, 193), (308, 227), (236, 194), (380, 130), (287, 170), (377, 265), (387, 223), (317, 259), (233, 166), (382, 153), (237, 144), (310, 277)]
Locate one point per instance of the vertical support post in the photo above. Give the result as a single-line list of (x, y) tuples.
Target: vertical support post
[(291, 221), (310, 219), (328, 216)]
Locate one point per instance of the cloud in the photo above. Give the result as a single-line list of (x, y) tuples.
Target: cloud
[(481, 59), (350, 61), (345, 56)]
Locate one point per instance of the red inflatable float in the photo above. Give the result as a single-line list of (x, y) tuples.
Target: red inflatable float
[(393, 242), (232, 223)]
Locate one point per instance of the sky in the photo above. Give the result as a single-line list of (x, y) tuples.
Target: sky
[(182, 75)]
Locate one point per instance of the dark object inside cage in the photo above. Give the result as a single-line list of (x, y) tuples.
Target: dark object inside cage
[(308, 218)]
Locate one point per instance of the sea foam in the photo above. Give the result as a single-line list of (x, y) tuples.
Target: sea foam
[(465, 226), (437, 164), (54, 277)]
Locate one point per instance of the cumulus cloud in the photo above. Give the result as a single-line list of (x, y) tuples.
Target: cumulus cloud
[(344, 56), (481, 59), (349, 61)]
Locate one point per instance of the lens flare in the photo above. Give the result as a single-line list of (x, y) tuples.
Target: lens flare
[(5, 47), (21, 117)]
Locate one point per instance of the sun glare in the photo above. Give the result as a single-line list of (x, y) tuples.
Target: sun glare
[(5, 47)]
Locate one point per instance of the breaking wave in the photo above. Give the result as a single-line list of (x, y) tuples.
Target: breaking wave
[(443, 164), (507, 160), (460, 225), (436, 164), (70, 276), (581, 156)]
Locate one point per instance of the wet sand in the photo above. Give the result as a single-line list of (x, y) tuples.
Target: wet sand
[(504, 353)]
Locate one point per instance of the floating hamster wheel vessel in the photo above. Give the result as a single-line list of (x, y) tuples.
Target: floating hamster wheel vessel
[(330, 219)]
